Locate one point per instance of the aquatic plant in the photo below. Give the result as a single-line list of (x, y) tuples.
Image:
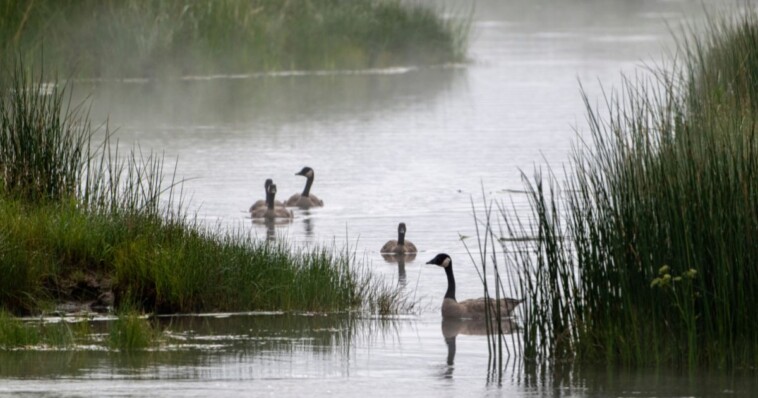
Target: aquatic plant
[(501, 341), (40, 147), (13, 333), (18, 334), (147, 38), (132, 331), (645, 255)]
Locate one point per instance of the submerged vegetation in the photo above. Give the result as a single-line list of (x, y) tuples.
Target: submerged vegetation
[(87, 223), (647, 255), (96, 38)]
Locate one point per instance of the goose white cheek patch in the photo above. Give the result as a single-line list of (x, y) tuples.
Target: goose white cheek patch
[(446, 262)]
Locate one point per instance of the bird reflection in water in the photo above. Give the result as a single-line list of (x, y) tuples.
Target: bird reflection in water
[(271, 225), (400, 259), (308, 223), (452, 327)]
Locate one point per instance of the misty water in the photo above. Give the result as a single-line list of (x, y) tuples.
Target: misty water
[(408, 144)]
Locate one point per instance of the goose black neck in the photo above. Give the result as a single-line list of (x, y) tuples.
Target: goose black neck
[(307, 189), (450, 282), (400, 237), (269, 200)]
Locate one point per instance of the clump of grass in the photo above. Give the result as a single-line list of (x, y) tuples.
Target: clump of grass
[(132, 331), (40, 147), (646, 256), (16, 333), (147, 38), (172, 266)]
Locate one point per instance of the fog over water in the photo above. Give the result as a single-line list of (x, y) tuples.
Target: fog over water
[(408, 144)]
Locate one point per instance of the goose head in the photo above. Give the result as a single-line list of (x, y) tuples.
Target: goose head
[(268, 183), (442, 260), (305, 172), (401, 228)]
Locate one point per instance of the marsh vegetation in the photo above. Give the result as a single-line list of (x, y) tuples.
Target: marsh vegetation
[(179, 37), (644, 255)]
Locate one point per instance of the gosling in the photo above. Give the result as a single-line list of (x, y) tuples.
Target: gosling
[(469, 309), (305, 200), (399, 246)]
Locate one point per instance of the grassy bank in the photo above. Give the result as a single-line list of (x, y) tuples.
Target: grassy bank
[(81, 221), (58, 252), (132, 38), (646, 254)]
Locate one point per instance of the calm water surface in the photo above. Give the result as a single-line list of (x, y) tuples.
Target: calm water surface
[(403, 144)]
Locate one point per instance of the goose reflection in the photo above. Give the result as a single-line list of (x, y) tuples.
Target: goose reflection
[(308, 223), (452, 327), (400, 259), (271, 225)]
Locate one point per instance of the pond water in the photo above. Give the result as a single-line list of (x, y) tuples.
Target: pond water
[(413, 145)]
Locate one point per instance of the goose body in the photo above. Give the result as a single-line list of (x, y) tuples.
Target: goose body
[(261, 203), (399, 246), (271, 212), (305, 200), (469, 309)]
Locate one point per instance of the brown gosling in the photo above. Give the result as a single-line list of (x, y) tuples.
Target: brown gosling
[(261, 203), (468, 309), (305, 200), (270, 212), (399, 246)]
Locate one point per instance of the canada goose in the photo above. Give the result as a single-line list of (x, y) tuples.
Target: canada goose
[(305, 200), (469, 309), (271, 212), (261, 203), (399, 246)]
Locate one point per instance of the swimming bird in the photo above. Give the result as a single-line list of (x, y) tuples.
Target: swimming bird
[(399, 246), (468, 309), (271, 212), (261, 203), (305, 200)]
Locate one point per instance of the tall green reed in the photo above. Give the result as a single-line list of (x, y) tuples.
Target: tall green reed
[(47, 153), (493, 266), (41, 148), (644, 255)]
